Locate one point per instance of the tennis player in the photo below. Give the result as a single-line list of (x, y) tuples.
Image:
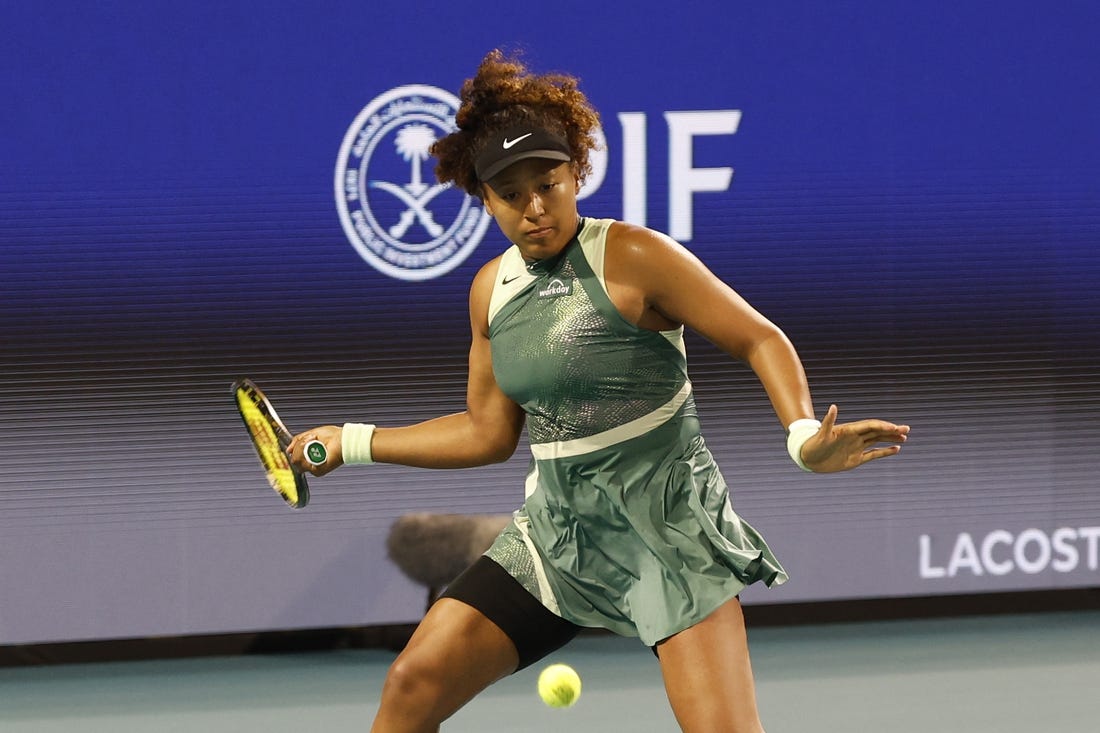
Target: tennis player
[(577, 331)]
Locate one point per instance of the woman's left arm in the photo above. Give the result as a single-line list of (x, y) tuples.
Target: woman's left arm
[(670, 284)]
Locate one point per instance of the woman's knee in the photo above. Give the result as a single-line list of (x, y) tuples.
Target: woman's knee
[(454, 654), (415, 677)]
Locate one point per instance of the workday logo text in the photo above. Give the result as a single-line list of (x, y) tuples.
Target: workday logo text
[(397, 217), (556, 288)]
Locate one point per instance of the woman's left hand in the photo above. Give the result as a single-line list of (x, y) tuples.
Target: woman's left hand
[(843, 447)]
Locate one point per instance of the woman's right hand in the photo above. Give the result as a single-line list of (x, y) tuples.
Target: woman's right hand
[(330, 436)]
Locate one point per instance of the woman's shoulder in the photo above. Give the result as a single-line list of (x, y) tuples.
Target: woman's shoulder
[(481, 289), (633, 241), (488, 271)]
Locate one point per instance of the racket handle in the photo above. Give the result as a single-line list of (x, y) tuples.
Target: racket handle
[(315, 452)]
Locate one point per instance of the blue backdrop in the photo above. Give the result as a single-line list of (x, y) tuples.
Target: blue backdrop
[(910, 192)]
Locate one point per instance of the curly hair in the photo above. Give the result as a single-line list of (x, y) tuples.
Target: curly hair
[(503, 93)]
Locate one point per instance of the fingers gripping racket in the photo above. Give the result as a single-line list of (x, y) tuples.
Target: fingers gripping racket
[(271, 438)]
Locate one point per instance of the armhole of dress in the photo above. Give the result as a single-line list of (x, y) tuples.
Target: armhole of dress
[(675, 337), (593, 240)]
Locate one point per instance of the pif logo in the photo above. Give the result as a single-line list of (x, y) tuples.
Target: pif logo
[(399, 220)]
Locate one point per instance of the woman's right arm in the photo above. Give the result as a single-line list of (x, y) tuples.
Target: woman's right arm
[(487, 431)]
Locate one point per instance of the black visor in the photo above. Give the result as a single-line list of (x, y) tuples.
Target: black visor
[(518, 143)]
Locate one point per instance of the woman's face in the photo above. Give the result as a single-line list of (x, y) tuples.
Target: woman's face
[(534, 202)]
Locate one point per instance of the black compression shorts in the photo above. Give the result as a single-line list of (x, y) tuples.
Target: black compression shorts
[(534, 629)]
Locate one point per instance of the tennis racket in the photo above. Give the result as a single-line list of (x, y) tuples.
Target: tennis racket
[(271, 438)]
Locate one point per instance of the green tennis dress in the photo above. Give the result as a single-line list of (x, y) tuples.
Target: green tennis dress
[(627, 523)]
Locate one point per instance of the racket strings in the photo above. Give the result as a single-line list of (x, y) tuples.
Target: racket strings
[(269, 447)]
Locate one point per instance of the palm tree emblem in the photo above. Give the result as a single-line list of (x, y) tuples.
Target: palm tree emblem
[(414, 144)]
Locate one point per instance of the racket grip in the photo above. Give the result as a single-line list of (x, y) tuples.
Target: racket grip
[(315, 452)]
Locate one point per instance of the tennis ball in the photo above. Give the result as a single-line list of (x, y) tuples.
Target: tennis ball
[(559, 686)]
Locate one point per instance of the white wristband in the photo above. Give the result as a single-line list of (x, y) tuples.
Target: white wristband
[(798, 433), (355, 443)]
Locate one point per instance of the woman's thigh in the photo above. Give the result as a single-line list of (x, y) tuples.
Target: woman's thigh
[(708, 676), (483, 628), (455, 653)]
